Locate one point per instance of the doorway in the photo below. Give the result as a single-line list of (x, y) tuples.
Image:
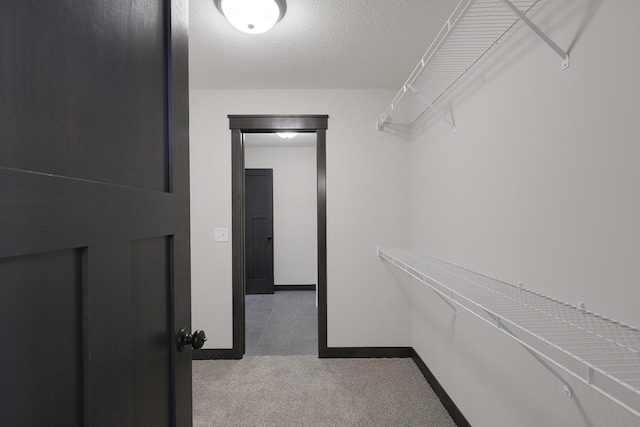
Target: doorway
[(240, 127), (281, 244)]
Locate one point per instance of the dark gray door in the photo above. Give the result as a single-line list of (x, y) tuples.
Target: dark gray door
[(259, 230), (94, 213)]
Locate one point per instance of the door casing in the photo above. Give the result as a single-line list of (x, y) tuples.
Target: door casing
[(239, 125)]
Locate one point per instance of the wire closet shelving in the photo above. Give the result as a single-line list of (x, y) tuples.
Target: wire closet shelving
[(602, 353), (474, 27)]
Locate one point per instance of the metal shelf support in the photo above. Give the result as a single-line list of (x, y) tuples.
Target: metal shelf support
[(567, 390), (433, 108), (522, 17)]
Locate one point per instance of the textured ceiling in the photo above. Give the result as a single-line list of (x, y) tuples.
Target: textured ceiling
[(319, 44)]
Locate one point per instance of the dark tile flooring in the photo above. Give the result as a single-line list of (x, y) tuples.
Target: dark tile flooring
[(284, 323)]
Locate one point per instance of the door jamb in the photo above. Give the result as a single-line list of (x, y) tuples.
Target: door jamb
[(240, 124)]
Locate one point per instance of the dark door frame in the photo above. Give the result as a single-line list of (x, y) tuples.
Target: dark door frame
[(239, 125)]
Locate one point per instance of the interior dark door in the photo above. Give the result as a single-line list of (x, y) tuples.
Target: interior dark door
[(259, 230), (94, 213)]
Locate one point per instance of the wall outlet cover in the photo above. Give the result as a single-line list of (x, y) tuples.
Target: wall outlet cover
[(221, 234)]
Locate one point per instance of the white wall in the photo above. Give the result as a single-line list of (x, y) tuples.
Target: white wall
[(367, 199), (295, 240), (539, 185)]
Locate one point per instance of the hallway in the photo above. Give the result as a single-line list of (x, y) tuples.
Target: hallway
[(281, 324)]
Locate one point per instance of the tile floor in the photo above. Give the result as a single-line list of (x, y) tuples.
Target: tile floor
[(281, 324)]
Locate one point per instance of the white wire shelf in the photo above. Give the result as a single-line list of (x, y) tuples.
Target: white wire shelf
[(474, 27), (600, 352)]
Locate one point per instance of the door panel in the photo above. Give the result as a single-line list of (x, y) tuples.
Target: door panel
[(259, 231), (109, 311), (257, 185), (95, 81), (94, 230), (257, 250), (46, 338), (129, 295), (152, 337)]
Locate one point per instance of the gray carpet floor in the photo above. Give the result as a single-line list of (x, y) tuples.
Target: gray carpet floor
[(306, 391)]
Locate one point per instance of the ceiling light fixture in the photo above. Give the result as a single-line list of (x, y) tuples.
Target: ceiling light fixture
[(287, 135), (252, 16)]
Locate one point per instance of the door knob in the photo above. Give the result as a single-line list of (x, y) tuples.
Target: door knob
[(269, 237), (196, 341)]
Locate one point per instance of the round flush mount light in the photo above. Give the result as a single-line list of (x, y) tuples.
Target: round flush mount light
[(287, 135), (252, 16)]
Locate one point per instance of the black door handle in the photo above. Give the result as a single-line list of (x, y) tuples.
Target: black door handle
[(269, 237), (196, 341)]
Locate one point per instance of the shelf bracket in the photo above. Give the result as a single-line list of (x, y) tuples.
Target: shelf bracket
[(566, 388), (451, 124), (522, 17), (455, 311)]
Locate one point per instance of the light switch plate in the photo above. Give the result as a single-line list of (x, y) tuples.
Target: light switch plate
[(221, 234)]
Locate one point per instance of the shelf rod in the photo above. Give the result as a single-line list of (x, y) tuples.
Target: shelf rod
[(564, 55)]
